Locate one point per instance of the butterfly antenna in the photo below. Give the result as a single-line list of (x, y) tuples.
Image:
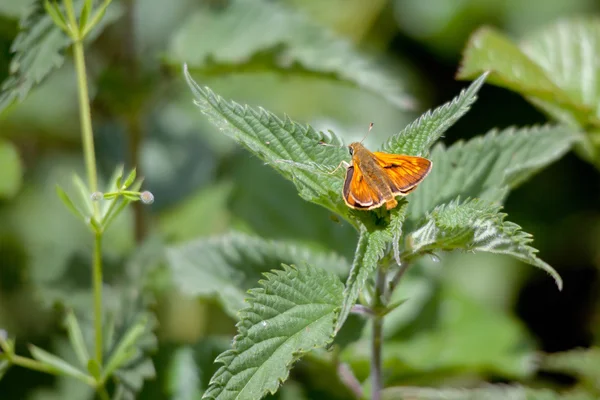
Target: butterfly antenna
[(367, 134), (322, 143)]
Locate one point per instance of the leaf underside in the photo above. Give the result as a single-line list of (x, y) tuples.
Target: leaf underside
[(294, 42), (474, 225)]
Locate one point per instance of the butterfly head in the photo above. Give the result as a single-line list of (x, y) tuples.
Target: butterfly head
[(354, 147)]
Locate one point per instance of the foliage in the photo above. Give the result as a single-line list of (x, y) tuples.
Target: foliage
[(226, 266), (555, 68), (293, 45), (169, 282), (294, 312), (39, 49)]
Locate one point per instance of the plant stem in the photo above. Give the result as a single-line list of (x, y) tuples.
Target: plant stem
[(97, 283), (377, 335), (395, 281), (87, 135)]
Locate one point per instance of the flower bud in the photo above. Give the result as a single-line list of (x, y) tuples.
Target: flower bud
[(96, 196), (147, 197)]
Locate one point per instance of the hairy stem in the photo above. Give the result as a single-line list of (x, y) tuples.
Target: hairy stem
[(377, 336), (90, 164), (85, 115), (97, 283)]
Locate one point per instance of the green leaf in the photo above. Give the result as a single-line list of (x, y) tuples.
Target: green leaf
[(58, 364), (417, 138), (183, 381), (37, 51), (84, 194), (100, 17), (94, 369), (488, 166), (126, 348), (56, 14), (85, 14), (555, 67), (76, 338), (129, 362), (582, 363), (11, 169), (487, 392), (130, 178), (226, 266), (568, 51), (70, 205), (294, 312), (4, 367), (369, 250), (474, 225), (293, 44), (283, 144)]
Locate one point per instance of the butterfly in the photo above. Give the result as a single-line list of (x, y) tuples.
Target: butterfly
[(375, 178)]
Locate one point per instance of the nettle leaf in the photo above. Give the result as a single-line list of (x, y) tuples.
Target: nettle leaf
[(487, 392), (555, 67), (294, 311), (417, 138), (38, 49), (474, 225), (284, 144), (293, 44), (488, 166), (582, 363), (227, 266)]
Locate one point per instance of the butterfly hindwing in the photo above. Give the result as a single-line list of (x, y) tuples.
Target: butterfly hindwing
[(357, 193), (403, 172)]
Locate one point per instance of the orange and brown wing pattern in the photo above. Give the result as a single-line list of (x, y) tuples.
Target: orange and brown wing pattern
[(357, 193), (404, 172)]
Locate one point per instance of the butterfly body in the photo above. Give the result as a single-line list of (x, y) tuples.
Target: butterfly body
[(376, 178)]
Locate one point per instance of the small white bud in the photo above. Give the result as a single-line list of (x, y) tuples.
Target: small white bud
[(97, 196), (147, 197)]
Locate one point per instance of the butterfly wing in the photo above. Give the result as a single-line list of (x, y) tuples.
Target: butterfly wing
[(357, 192), (403, 172)]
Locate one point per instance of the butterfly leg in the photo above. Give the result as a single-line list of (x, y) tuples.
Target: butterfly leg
[(342, 163)]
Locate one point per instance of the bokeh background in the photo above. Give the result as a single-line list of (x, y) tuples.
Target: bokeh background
[(204, 184)]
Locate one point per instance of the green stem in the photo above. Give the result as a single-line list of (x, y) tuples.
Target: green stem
[(85, 116), (87, 137), (377, 336), (97, 283)]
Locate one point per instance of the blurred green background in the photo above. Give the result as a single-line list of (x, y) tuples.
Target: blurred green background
[(204, 184)]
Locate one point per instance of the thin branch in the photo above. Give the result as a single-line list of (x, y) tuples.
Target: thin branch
[(377, 336)]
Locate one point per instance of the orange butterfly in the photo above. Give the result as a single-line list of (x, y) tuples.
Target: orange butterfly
[(376, 178)]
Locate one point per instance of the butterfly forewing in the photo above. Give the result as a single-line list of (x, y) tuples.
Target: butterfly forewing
[(403, 172)]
